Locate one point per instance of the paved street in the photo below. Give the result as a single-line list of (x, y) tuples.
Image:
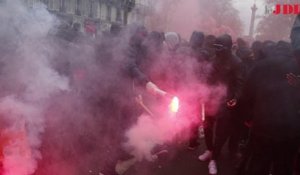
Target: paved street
[(183, 162)]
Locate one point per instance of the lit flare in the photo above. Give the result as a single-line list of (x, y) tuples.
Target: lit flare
[(174, 106)]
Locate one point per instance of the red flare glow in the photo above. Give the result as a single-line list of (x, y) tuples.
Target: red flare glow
[(174, 106)]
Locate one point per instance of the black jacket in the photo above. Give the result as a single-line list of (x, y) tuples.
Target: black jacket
[(270, 102), (295, 35), (229, 74), (136, 55)]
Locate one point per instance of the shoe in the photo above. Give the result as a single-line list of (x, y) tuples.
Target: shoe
[(212, 167), (123, 166), (205, 156)]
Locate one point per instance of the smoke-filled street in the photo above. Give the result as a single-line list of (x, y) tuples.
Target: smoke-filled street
[(183, 162), (149, 87)]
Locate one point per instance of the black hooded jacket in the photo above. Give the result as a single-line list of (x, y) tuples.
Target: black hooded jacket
[(196, 44), (295, 36), (268, 99), (226, 69)]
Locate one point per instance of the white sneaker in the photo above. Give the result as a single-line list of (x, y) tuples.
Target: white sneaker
[(123, 166), (205, 156), (212, 167)]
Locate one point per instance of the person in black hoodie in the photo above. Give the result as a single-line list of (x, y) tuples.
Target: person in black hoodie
[(119, 101), (272, 103), (196, 43), (200, 55), (226, 71)]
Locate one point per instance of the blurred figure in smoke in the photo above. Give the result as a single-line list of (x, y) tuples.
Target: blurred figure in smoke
[(153, 46), (196, 43), (68, 32), (154, 62), (200, 55), (120, 73), (226, 71), (293, 79), (208, 45), (241, 44), (172, 41), (162, 70), (273, 106), (142, 49), (115, 29), (268, 48), (257, 50), (246, 55), (240, 135)]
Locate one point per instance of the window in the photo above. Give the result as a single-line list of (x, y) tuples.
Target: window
[(70, 6), (50, 4), (78, 9), (108, 14), (119, 14), (103, 11), (62, 5), (91, 8), (113, 14)]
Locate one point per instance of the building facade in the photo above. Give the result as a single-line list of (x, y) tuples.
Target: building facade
[(142, 9), (90, 15)]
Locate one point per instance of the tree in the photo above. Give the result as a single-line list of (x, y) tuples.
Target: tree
[(219, 16), (275, 27)]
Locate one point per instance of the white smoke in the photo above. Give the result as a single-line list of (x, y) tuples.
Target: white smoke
[(27, 83)]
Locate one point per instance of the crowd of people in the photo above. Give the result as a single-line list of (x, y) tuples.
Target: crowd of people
[(257, 111)]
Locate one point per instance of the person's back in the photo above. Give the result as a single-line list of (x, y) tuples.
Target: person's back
[(275, 103), (273, 106)]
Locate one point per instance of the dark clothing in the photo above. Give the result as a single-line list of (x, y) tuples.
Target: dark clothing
[(266, 153), (273, 106), (136, 55), (228, 73), (120, 102), (224, 129), (197, 39), (257, 50), (271, 102), (225, 126), (295, 36), (297, 164), (209, 132)]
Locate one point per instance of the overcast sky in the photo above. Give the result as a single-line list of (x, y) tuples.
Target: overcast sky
[(244, 6)]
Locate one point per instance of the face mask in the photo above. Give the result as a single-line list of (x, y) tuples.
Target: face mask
[(219, 47)]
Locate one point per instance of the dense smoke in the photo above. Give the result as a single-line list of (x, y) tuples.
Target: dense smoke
[(184, 16), (27, 83), (164, 127), (59, 99)]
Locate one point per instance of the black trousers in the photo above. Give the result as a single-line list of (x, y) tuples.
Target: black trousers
[(297, 165), (121, 118), (267, 155), (224, 126)]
